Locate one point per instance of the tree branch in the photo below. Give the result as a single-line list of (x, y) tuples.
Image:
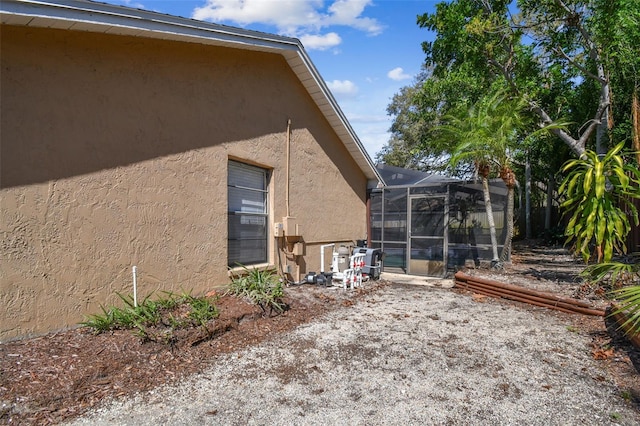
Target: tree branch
[(589, 45), (576, 145), (562, 53)]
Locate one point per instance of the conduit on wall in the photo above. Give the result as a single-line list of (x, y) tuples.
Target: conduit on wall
[(280, 242), (288, 166), (520, 294)]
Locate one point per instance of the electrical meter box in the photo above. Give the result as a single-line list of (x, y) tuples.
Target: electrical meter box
[(289, 224)]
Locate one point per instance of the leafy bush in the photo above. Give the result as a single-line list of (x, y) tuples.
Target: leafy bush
[(629, 305), (595, 189), (617, 274), (151, 313), (624, 280), (261, 287)]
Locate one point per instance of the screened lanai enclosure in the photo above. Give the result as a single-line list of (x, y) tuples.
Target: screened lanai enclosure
[(432, 225)]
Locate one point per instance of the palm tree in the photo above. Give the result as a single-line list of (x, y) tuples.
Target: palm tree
[(488, 134), (479, 135)]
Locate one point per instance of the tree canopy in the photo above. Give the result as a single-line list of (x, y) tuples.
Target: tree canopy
[(570, 60)]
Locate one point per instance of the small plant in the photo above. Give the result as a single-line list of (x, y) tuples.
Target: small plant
[(129, 317), (202, 310), (626, 395), (261, 287), (629, 305), (617, 274), (624, 281), (197, 311)]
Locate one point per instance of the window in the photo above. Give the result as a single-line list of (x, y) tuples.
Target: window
[(247, 218)]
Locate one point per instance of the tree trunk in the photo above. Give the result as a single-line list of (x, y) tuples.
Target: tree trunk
[(492, 223), (635, 130), (602, 132), (527, 198), (506, 249), (549, 207), (509, 178)]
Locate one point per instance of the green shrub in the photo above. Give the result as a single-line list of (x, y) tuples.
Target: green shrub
[(624, 281), (154, 313), (598, 193), (261, 287)]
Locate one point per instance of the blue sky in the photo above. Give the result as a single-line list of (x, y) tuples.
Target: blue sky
[(365, 50)]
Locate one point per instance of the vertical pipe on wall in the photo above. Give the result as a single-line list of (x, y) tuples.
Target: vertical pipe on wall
[(288, 165), (368, 219), (135, 287)]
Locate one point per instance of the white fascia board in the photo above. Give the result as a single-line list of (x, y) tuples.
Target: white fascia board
[(84, 15), (352, 142)]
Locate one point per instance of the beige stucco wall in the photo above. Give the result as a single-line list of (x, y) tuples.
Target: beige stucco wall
[(114, 153)]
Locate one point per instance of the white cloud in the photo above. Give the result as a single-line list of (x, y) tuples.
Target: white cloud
[(347, 12), (343, 87), (287, 15), (295, 18), (398, 74), (132, 3), (320, 42)]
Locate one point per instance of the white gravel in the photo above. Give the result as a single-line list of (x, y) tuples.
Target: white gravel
[(411, 355)]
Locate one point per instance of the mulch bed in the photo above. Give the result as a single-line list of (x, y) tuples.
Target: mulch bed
[(56, 377)]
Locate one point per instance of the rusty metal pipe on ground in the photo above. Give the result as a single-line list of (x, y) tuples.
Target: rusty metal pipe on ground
[(520, 294), (500, 295), (464, 277), (547, 301)]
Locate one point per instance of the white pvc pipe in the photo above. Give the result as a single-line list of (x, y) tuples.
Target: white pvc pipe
[(135, 287), (288, 168), (322, 255)]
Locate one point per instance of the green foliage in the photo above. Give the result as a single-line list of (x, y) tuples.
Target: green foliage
[(629, 305), (616, 24), (624, 279), (485, 133), (595, 188), (546, 51), (261, 287), (129, 317), (152, 313), (617, 274), (488, 134)]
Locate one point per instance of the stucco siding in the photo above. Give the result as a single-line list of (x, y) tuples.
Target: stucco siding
[(114, 153)]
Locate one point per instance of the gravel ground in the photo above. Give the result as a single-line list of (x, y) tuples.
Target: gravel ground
[(404, 355)]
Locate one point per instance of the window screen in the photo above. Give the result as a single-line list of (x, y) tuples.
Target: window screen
[(247, 218)]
